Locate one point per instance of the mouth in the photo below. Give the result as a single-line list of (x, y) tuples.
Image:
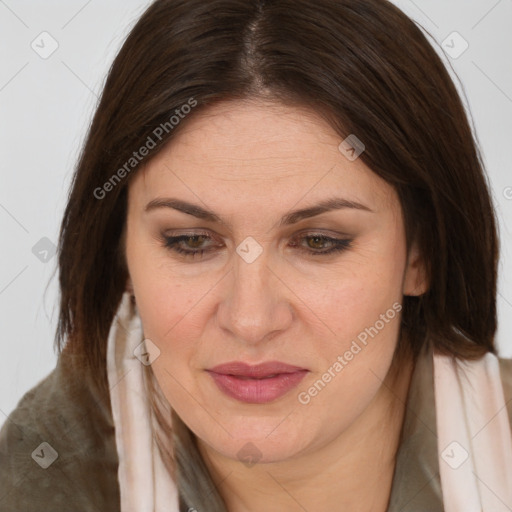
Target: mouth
[(257, 384)]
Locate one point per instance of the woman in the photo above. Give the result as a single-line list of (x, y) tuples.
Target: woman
[(278, 278)]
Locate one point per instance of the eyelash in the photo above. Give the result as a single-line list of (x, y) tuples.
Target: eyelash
[(338, 244)]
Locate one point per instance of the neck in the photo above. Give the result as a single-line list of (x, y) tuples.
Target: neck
[(354, 472)]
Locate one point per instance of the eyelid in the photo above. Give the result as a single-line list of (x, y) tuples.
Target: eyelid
[(338, 244), (305, 232), (328, 233), (189, 232)]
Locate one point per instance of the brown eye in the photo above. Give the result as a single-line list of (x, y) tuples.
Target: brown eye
[(317, 244), (194, 242), (190, 245)]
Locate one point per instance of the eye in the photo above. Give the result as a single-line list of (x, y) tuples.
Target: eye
[(196, 245), (190, 244), (318, 244)]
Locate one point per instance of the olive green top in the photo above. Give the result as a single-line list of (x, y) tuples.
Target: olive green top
[(67, 411)]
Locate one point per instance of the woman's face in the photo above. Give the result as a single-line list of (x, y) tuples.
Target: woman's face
[(280, 249)]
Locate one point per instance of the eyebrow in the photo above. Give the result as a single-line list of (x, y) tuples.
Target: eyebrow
[(336, 203)]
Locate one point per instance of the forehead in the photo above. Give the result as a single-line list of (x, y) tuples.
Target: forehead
[(256, 149)]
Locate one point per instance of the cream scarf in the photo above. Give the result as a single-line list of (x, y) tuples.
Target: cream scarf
[(473, 431)]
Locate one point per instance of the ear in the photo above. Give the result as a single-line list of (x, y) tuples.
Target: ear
[(415, 276)]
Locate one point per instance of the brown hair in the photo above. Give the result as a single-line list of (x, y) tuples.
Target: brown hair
[(364, 66)]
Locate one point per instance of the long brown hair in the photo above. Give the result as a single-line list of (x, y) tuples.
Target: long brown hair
[(364, 66)]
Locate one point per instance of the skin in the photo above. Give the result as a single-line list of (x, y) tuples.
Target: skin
[(251, 162)]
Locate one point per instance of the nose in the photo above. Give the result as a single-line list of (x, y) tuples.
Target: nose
[(255, 306)]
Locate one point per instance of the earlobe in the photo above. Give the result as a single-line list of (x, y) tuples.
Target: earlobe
[(415, 277)]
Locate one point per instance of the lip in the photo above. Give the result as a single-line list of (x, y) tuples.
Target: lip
[(257, 384)]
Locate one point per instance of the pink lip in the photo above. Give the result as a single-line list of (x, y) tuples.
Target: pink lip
[(256, 384)]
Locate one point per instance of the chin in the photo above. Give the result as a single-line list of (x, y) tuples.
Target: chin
[(260, 440), (258, 451)]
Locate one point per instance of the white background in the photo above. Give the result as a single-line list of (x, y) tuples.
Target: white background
[(46, 106)]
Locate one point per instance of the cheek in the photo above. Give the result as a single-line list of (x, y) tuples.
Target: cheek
[(165, 298), (173, 319), (353, 295), (360, 313), (352, 364), (171, 311)]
